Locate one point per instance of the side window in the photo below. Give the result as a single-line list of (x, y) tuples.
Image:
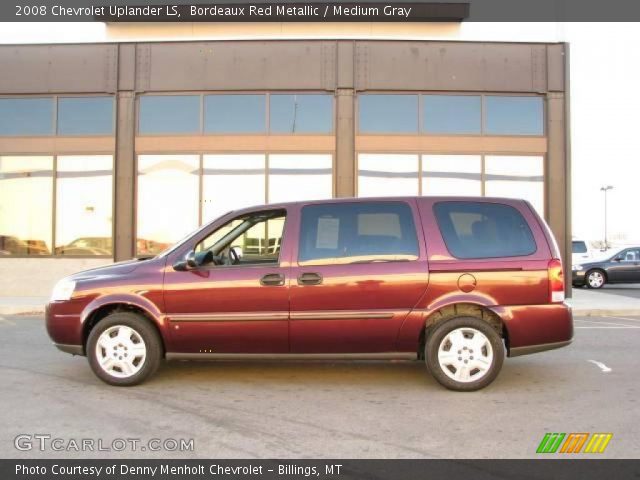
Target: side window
[(484, 230), (631, 255), (357, 232), (256, 238)]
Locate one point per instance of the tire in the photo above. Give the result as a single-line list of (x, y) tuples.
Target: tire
[(446, 364), (133, 343), (595, 279)]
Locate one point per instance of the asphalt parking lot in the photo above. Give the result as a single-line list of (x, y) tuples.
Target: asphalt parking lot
[(328, 410)]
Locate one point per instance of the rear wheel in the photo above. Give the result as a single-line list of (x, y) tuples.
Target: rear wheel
[(464, 353), (124, 349), (595, 279)]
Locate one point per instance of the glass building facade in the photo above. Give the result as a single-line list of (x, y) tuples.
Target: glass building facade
[(129, 171)]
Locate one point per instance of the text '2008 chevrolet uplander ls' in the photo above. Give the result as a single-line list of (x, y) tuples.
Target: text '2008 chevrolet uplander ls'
[(457, 282)]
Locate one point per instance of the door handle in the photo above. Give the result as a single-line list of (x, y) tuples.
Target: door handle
[(310, 278), (272, 280)]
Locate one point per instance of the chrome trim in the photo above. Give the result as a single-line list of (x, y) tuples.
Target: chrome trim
[(340, 314), (72, 349), (229, 317), (529, 349), (293, 356)]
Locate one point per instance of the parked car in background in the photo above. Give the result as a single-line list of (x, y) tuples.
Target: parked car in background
[(10, 245), (580, 251), (455, 282), (623, 266), (87, 246)]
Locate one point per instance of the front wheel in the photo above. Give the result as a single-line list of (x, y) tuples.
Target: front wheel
[(464, 354), (595, 279), (124, 349)]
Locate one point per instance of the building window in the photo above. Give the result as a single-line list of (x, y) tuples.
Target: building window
[(303, 176), (85, 116), (231, 182), (381, 175), (177, 114), (168, 197), (301, 113), (515, 177), (452, 114), (513, 115), (84, 205), (26, 192), (235, 113), (452, 175), (388, 113), (26, 116), (351, 232)]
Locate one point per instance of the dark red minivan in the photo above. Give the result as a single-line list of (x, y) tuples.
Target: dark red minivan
[(457, 282)]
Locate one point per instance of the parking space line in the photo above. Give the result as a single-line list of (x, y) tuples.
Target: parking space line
[(626, 318), (7, 321), (606, 323), (600, 365), (607, 328)]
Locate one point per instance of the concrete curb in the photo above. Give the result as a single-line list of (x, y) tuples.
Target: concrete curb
[(21, 309)]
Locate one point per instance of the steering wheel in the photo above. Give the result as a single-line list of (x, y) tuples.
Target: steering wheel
[(233, 257)]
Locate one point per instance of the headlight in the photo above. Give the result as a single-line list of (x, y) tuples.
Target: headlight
[(63, 290), (576, 267)]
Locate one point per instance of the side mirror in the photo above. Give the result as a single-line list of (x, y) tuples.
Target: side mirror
[(617, 259), (188, 263)]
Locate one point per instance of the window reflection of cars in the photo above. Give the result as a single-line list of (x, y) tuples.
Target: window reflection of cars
[(150, 247), (87, 246), (10, 245)]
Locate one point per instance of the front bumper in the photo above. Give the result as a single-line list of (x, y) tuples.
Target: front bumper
[(577, 277)]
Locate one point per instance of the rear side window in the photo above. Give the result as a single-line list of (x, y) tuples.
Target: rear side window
[(357, 232), (484, 230)]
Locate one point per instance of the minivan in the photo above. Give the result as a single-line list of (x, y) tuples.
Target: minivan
[(456, 282)]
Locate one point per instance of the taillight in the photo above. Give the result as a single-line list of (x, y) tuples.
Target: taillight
[(556, 281)]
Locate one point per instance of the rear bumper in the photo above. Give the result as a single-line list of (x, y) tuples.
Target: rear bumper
[(536, 328), (518, 351)]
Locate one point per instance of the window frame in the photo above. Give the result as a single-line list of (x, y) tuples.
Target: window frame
[(82, 135), (421, 131), (54, 194), (267, 96), (201, 154), (481, 153), (55, 131), (322, 262)]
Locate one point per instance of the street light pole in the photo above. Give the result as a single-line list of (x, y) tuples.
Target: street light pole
[(605, 190)]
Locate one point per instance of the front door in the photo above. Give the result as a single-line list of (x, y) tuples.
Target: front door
[(236, 299), (626, 267), (359, 269)]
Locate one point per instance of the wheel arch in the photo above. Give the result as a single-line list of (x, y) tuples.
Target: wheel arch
[(92, 316), (461, 309)]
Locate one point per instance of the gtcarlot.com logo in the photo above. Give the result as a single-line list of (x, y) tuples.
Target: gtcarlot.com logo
[(45, 443), (574, 443)]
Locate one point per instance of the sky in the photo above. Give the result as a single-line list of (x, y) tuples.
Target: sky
[(605, 106)]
